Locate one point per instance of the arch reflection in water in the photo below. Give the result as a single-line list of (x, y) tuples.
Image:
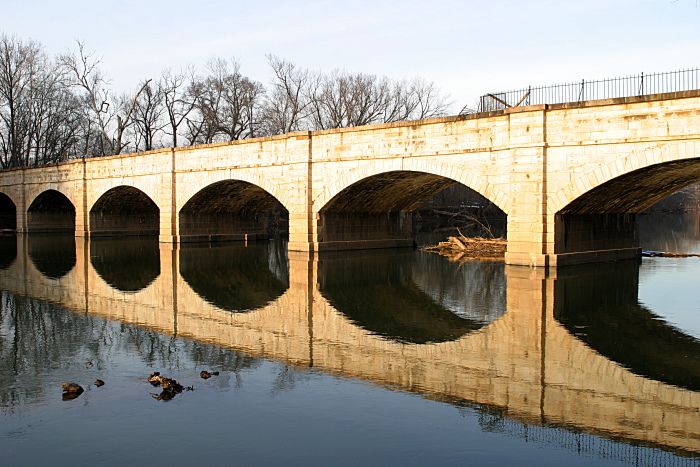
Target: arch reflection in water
[(412, 297), (52, 254), (8, 250), (236, 277), (127, 264), (599, 306)]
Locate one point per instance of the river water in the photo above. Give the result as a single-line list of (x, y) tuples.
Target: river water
[(393, 357)]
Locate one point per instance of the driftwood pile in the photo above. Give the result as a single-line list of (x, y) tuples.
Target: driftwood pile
[(666, 254), (461, 248)]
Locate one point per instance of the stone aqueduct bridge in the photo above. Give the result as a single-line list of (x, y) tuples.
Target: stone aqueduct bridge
[(525, 363), (569, 177)]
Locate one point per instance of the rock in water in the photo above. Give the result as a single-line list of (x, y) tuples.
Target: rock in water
[(170, 387), (71, 391), (99, 383), (155, 378), (204, 374), (170, 384)]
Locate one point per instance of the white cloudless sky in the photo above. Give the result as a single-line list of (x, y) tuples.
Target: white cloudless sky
[(466, 47)]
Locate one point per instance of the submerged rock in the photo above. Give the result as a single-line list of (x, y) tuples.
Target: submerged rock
[(204, 374)]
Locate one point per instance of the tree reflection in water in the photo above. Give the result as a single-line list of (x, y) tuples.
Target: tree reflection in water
[(42, 344)]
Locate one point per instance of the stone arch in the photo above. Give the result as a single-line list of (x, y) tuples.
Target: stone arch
[(656, 159), (8, 214), (458, 174), (600, 211), (374, 209), (124, 210), (232, 209), (193, 185), (51, 211)]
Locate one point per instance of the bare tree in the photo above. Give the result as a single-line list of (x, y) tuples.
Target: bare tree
[(85, 74), (147, 116), (342, 99), (177, 100), (111, 118), (286, 106), (229, 102), (51, 110), (39, 116), (16, 61)]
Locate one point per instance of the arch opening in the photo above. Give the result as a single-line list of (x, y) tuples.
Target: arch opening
[(607, 217), (51, 211), (400, 208), (232, 210), (8, 214), (124, 210)]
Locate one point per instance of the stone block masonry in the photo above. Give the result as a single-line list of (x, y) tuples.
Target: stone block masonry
[(569, 177)]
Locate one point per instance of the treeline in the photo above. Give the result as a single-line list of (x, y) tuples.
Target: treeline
[(56, 108)]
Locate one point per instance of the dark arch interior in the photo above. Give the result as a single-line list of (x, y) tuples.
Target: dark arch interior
[(232, 210), (129, 264), (606, 217), (51, 211), (380, 292), (599, 306), (124, 210), (379, 210), (8, 250), (53, 255), (8, 214), (234, 277)]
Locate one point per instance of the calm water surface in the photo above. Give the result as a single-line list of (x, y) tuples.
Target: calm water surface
[(377, 358)]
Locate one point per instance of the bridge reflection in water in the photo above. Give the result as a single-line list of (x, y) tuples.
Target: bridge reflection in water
[(573, 349)]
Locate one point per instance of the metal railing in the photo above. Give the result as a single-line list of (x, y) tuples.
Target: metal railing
[(627, 86)]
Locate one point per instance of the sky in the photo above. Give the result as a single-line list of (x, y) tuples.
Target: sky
[(468, 48)]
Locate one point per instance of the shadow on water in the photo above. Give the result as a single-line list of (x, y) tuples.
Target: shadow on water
[(391, 294), (127, 264), (8, 250), (598, 304), (52, 254), (233, 276)]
